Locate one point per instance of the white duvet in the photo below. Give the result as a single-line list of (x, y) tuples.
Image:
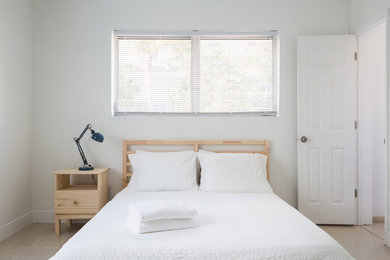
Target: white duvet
[(232, 226)]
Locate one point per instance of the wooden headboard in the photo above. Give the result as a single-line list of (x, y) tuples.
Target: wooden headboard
[(196, 145)]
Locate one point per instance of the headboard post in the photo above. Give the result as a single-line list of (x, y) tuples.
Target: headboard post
[(124, 163), (196, 147), (126, 144), (266, 150)]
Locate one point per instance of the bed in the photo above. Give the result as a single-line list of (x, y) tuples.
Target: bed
[(232, 225)]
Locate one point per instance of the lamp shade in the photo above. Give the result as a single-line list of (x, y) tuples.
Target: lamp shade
[(98, 137)]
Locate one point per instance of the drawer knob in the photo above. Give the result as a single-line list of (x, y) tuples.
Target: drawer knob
[(75, 202)]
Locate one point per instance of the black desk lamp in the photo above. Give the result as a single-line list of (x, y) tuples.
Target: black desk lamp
[(98, 137)]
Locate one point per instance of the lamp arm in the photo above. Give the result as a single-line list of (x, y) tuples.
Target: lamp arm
[(89, 126), (81, 151)]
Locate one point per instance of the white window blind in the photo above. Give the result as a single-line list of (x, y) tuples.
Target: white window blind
[(194, 73)]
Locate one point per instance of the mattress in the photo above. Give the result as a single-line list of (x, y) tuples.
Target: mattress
[(232, 226)]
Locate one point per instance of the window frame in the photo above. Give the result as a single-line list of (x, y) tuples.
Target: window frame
[(195, 36)]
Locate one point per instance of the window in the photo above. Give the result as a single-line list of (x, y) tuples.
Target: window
[(194, 73)]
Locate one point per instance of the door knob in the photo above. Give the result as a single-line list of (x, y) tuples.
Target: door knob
[(303, 139)]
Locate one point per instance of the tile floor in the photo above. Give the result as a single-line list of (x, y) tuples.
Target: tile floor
[(362, 242), (38, 241)]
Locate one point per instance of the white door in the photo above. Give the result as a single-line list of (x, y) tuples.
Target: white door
[(327, 110)]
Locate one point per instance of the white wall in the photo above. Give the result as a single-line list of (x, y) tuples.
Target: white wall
[(15, 112), (71, 79), (363, 11), (372, 118)]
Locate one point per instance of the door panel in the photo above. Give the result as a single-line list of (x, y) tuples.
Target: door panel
[(314, 158), (327, 110)]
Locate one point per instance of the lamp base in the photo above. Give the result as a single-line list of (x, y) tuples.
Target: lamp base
[(86, 168)]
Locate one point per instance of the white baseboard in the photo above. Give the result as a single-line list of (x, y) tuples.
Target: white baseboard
[(43, 216), (15, 225)]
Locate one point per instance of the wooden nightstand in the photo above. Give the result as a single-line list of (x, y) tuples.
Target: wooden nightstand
[(78, 201)]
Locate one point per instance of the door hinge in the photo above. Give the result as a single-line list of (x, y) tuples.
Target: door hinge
[(356, 193), (356, 55), (356, 124)]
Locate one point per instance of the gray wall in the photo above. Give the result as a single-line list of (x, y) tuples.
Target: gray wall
[(15, 110)]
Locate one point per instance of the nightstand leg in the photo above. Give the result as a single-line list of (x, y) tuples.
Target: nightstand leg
[(69, 222), (57, 225)]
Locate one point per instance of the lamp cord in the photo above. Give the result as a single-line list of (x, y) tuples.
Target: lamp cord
[(93, 179)]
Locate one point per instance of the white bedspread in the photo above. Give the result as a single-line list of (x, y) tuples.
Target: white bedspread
[(232, 226)]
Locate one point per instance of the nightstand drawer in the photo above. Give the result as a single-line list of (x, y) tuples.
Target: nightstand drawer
[(76, 201)]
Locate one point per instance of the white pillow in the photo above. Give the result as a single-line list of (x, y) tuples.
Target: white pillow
[(164, 171), (233, 172)]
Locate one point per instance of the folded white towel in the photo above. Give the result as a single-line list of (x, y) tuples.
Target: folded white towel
[(161, 209), (159, 225)]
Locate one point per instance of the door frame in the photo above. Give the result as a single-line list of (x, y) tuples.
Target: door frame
[(364, 192)]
